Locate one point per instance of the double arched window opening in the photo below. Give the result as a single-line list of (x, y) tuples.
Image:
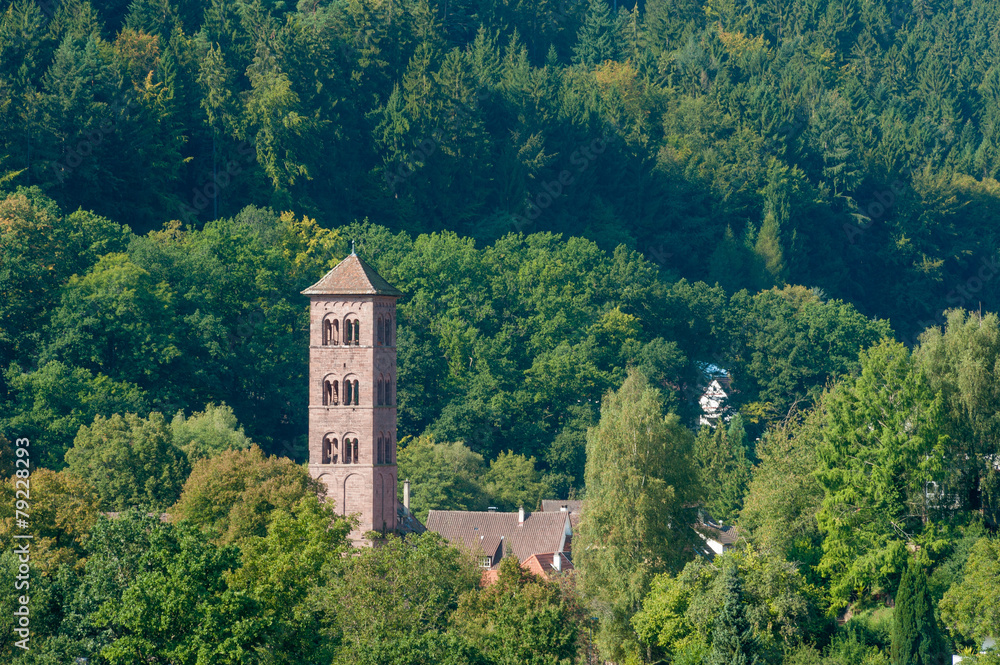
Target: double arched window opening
[(352, 331), (385, 449), (351, 392), (384, 330), (332, 453), (384, 390), (331, 392), (330, 450), (331, 331)]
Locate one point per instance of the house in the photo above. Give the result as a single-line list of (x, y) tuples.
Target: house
[(714, 400), (718, 537), (491, 535)]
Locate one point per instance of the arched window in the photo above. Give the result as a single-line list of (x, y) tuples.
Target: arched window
[(381, 330), (357, 332), (390, 331), (327, 450), (333, 456), (388, 391), (348, 332), (355, 397), (327, 332), (390, 448), (330, 396), (355, 451), (348, 392), (379, 450), (347, 451), (381, 393)]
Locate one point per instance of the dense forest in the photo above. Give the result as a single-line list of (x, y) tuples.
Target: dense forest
[(586, 205)]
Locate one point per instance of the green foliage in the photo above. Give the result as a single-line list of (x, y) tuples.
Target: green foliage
[(443, 476), (397, 597), (781, 503), (723, 469), (682, 612), (282, 569), (232, 496), (883, 442), (519, 619), (641, 485), (969, 608), (208, 433), (50, 404), (596, 41), (129, 461), (916, 639), (39, 250), (732, 640), (63, 513), (789, 343), (513, 482), (960, 362), (176, 608)]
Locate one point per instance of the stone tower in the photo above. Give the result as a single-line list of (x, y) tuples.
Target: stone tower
[(352, 392)]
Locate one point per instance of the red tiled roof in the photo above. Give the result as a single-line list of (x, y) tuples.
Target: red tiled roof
[(538, 564), (542, 564), (478, 532), (352, 276)]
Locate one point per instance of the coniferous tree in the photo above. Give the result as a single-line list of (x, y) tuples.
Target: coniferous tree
[(733, 641), (916, 639), (724, 469), (596, 40)]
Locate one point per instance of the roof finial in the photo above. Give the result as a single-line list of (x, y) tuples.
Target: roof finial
[(352, 247)]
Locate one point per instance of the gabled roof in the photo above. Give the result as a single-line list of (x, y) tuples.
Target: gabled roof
[(725, 534), (573, 507), (352, 276), (480, 532), (543, 565), (537, 564), (555, 505)]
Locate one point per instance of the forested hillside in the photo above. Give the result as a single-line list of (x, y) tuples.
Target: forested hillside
[(587, 206), (848, 145)]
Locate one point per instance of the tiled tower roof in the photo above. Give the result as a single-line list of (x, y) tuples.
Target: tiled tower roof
[(352, 276)]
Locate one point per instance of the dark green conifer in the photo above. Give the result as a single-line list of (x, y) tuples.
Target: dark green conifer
[(733, 641), (595, 41), (916, 639)]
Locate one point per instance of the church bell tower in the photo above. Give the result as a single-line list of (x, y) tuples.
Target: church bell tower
[(352, 392)]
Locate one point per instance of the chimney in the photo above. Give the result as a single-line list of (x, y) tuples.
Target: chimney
[(520, 515), (557, 562), (406, 497)]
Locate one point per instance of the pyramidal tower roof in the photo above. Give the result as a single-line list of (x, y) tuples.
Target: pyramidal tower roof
[(352, 276)]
